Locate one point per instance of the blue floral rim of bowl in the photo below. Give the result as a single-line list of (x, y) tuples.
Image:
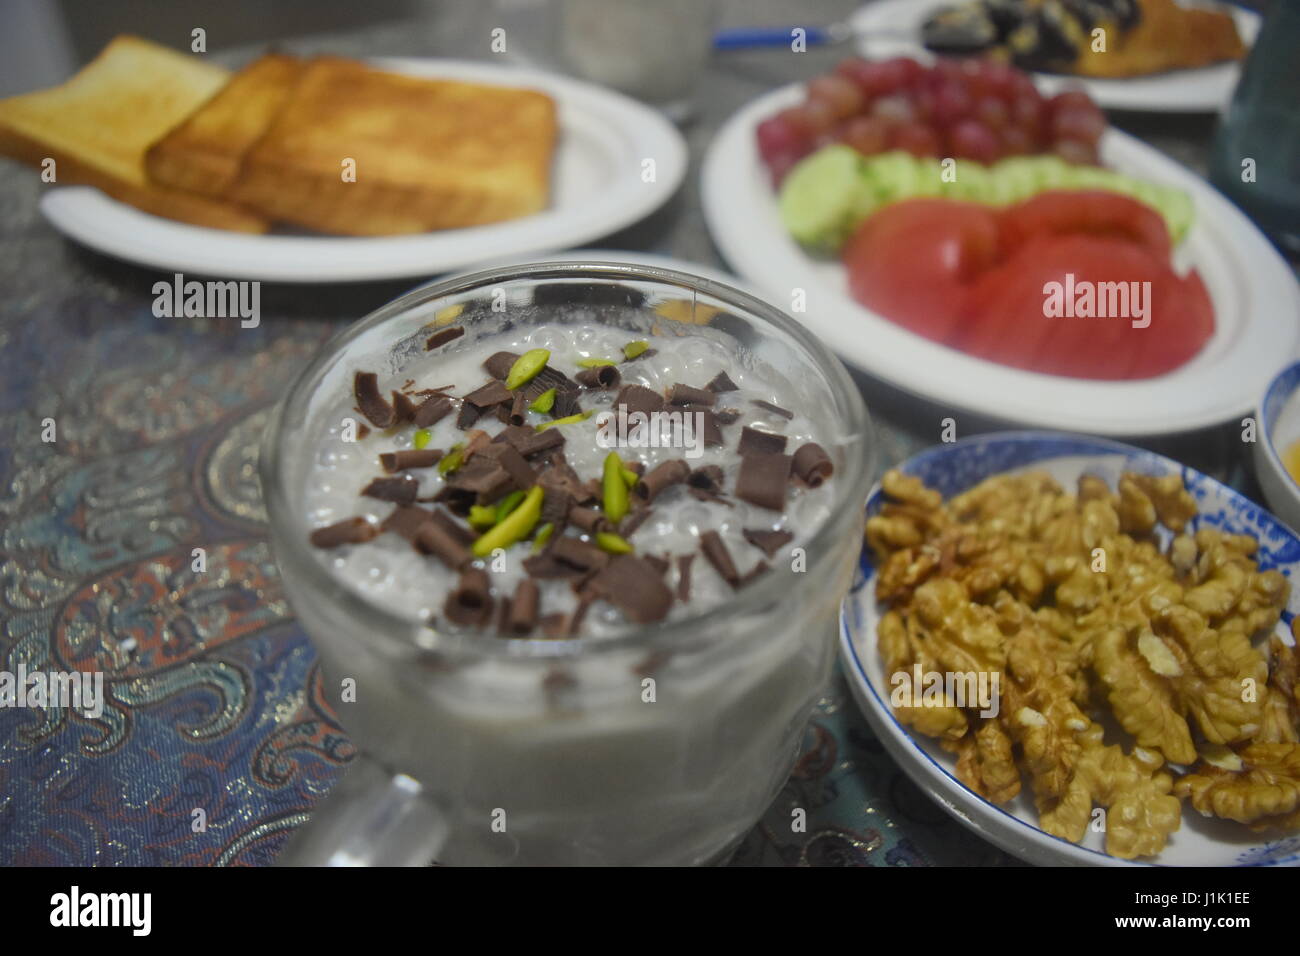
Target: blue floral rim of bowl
[(1281, 388), (955, 467)]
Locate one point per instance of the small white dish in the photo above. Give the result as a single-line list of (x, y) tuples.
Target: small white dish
[(1278, 425), (600, 184), (1205, 89), (953, 468), (1255, 295)]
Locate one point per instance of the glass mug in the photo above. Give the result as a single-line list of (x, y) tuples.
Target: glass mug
[(478, 749)]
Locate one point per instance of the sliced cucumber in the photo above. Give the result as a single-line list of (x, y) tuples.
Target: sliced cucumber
[(825, 196)]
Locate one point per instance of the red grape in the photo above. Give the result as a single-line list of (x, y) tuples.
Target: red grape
[(1073, 151), (973, 140), (916, 139), (951, 103), (894, 109), (1016, 142), (817, 116), (1083, 123), (782, 134), (840, 94), (992, 112), (867, 134)]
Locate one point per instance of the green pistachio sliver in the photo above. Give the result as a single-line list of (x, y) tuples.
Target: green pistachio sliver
[(633, 349), (566, 420), (451, 461), (507, 505), (543, 402), (526, 367), (614, 488), (421, 438), (631, 477), (594, 362), (543, 535), (608, 541), (514, 528), (482, 517)]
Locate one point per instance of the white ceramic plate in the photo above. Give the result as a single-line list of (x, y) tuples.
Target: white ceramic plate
[(1202, 90), (597, 188), (1255, 294), (955, 467)]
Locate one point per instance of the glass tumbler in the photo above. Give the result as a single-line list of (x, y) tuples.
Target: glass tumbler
[(479, 749)]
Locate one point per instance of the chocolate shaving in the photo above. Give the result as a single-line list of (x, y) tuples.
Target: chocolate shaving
[(487, 479), (769, 542), (629, 525), (410, 458), (589, 520), (470, 604), (493, 393), (546, 566), (477, 443), (574, 622), (363, 431), (523, 608), (528, 441), (660, 477), (754, 572), (462, 533), (755, 442), (638, 398), (468, 415), (762, 480), (660, 564), (727, 416), (519, 409), (508, 457), (684, 562), (435, 539), (577, 554), (498, 364), (704, 494), (553, 624), (722, 383), (347, 531), (556, 500), (602, 376), (432, 410), (566, 391), (442, 337), (812, 464), (715, 549), (631, 584), (680, 394), (366, 388), (406, 520), (403, 408), (707, 478), (400, 490), (774, 409)]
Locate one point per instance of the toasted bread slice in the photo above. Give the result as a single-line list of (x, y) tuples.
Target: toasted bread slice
[(203, 153), (427, 154), (97, 126)]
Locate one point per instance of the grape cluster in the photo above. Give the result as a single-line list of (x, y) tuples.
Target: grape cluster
[(982, 110)]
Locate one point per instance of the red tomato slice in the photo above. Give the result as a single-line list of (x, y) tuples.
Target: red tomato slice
[(910, 261), (1027, 313), (1086, 212)]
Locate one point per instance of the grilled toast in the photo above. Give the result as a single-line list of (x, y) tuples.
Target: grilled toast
[(427, 154), (204, 152), (98, 125)]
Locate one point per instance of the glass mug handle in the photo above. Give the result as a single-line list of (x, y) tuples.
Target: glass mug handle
[(372, 817)]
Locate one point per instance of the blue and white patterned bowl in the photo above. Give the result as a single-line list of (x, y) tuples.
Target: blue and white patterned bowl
[(1279, 428), (955, 467)]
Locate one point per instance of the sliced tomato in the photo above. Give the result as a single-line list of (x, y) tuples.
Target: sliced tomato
[(911, 260), (1092, 212), (1026, 312)]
